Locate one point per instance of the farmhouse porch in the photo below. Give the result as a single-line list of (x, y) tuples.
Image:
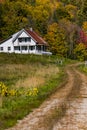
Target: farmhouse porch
[(30, 49)]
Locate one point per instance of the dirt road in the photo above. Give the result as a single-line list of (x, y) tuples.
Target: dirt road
[(66, 109)]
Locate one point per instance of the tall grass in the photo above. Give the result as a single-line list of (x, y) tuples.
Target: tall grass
[(26, 75), (83, 68)]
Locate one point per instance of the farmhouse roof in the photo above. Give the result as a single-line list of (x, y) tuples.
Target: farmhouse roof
[(35, 36), (31, 33), (5, 39)]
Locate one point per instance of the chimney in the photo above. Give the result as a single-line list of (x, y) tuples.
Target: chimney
[(31, 29)]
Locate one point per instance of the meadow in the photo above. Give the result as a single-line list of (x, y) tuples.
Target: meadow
[(28, 80)]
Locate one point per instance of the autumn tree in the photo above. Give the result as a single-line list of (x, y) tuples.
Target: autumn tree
[(1, 20), (83, 36), (56, 39), (80, 52), (82, 12), (71, 34), (14, 18), (61, 13), (72, 10), (84, 26)]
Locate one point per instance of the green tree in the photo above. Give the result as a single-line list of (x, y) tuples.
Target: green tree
[(82, 12), (1, 19), (61, 13), (40, 17), (14, 18)]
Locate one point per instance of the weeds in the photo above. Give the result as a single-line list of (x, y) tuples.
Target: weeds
[(83, 68)]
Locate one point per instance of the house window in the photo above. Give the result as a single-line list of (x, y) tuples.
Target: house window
[(17, 48), (9, 48), (31, 47), (24, 39), (1, 48), (38, 47), (29, 39), (24, 47), (20, 39)]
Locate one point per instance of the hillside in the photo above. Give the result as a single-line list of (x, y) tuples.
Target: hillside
[(62, 23)]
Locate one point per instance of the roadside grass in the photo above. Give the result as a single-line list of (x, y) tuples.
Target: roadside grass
[(83, 68), (26, 71)]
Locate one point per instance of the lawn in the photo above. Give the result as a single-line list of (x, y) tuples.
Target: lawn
[(23, 75)]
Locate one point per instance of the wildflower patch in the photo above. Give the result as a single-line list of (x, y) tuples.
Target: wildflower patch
[(4, 91)]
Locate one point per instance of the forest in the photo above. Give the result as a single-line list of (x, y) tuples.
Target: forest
[(62, 23)]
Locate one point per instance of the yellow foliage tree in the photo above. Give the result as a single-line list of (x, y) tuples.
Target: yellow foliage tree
[(72, 10), (84, 26), (80, 51), (56, 39)]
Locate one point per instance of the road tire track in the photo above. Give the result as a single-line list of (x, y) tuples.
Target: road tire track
[(76, 115)]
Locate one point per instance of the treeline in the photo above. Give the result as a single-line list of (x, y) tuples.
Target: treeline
[(62, 23)]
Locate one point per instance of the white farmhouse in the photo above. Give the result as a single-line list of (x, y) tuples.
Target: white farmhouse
[(24, 41)]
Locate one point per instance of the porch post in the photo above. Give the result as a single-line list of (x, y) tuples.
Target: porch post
[(28, 48), (20, 49), (41, 47), (13, 46), (35, 48)]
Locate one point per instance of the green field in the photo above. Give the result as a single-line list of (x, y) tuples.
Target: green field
[(22, 73)]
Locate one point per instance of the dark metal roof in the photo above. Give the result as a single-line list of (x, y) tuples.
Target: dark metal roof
[(5, 39)]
